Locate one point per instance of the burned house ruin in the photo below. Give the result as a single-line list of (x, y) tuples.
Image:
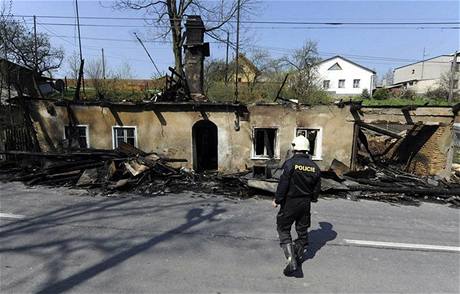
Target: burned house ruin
[(382, 143)]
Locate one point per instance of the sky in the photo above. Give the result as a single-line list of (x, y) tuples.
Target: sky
[(374, 46)]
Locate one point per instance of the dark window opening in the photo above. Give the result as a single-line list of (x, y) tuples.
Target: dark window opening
[(312, 136), (356, 83), (205, 142), (264, 142), (124, 135), (341, 83), (77, 133)]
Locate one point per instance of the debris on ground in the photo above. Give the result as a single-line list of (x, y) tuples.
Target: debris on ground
[(385, 183), (126, 168)]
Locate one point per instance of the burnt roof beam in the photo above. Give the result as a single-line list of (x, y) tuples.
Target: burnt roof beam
[(379, 130)]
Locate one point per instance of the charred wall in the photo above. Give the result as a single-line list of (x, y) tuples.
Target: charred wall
[(169, 131), (427, 146)]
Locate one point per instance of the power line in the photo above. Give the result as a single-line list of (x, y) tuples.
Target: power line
[(345, 27), (276, 49), (283, 22), (281, 25), (97, 25)]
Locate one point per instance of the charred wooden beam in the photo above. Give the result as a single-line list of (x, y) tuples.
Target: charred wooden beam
[(379, 130), (439, 192), (456, 108)]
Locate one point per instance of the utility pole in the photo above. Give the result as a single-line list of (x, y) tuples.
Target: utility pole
[(423, 63), (237, 50), (148, 54), (35, 45), (453, 67), (226, 59), (7, 64), (79, 45), (103, 64)]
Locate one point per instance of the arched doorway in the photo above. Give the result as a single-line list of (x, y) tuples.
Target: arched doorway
[(204, 134)]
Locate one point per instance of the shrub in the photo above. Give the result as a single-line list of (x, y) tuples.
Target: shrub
[(381, 94), (365, 94), (408, 94), (437, 94)]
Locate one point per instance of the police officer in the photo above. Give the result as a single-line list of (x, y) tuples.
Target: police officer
[(299, 185)]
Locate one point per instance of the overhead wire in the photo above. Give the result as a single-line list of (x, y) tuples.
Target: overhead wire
[(299, 25), (279, 22), (276, 49)]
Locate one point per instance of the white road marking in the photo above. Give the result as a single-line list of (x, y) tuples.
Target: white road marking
[(10, 215), (403, 245)]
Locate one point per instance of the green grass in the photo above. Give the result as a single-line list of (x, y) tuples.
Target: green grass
[(418, 101), (113, 95), (263, 92)]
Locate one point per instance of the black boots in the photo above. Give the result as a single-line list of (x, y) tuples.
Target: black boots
[(299, 249), (290, 253)]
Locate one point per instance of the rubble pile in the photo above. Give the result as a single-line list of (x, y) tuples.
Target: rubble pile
[(387, 183), (123, 169), (149, 174)]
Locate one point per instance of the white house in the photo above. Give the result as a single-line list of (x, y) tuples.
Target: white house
[(426, 74), (342, 76)]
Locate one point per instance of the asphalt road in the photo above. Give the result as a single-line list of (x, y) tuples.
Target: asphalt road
[(61, 240)]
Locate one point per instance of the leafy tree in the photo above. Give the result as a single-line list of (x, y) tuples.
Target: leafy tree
[(266, 68), (303, 80), (215, 71)]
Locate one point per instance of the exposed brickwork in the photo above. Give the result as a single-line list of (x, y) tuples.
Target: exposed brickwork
[(432, 157)]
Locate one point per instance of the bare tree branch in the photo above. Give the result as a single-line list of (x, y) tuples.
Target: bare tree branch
[(176, 11)]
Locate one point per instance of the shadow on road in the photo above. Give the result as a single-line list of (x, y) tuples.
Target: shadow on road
[(317, 239), (56, 252)]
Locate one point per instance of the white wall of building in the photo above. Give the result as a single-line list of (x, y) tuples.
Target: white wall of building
[(426, 75), (431, 69), (349, 73)]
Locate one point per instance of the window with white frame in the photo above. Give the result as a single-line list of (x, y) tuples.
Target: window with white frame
[(265, 142), (124, 135), (356, 83), (326, 84), (315, 138), (79, 133), (341, 83)]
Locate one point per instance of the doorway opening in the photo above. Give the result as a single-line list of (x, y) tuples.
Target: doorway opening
[(204, 134)]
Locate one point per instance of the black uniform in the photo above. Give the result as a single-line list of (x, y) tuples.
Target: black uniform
[(299, 184)]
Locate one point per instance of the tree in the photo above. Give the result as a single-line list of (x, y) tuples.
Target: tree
[(264, 68), (441, 91), (169, 17), (388, 78), (73, 65), (19, 43), (124, 72), (93, 72), (214, 72), (303, 66)]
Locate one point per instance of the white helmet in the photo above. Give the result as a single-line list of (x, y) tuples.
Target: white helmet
[(300, 143)]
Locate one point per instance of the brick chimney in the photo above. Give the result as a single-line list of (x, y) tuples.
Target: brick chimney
[(195, 52)]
